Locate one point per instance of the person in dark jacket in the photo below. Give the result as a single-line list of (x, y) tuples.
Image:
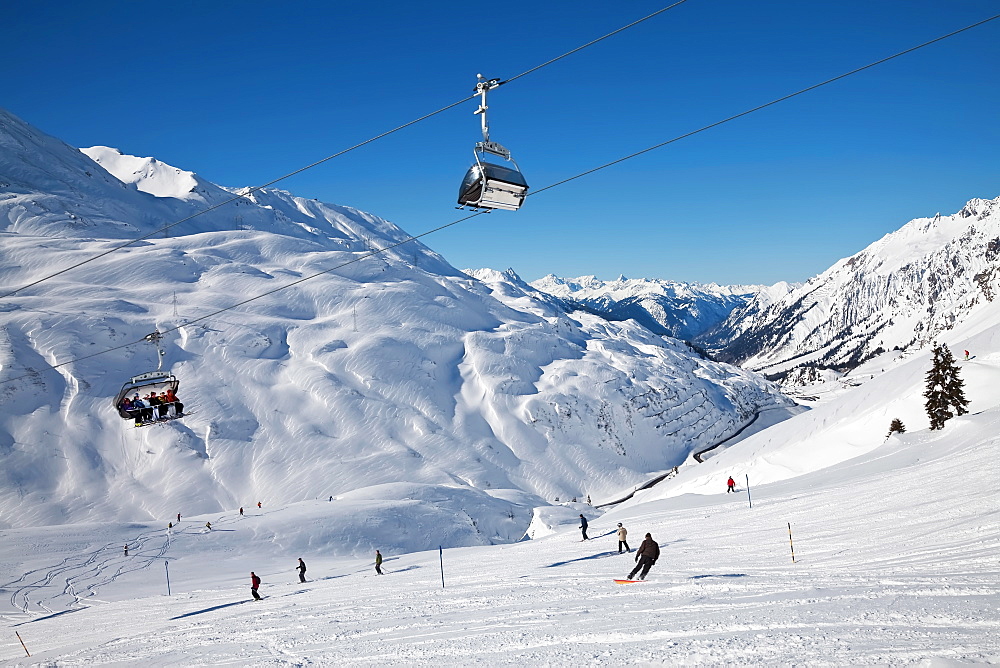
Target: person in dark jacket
[(378, 562), (254, 584), (583, 526), (302, 570), (645, 557)]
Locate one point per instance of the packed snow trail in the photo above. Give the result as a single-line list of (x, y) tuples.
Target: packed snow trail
[(895, 563)]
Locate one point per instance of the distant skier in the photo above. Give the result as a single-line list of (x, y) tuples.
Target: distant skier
[(378, 562), (622, 533), (583, 526), (966, 354), (126, 549), (178, 518), (730, 485), (258, 504), (208, 525), (302, 570), (645, 557), (241, 511), (254, 584)]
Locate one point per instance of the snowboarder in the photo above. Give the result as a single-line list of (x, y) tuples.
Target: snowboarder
[(583, 526), (730, 485), (622, 532), (645, 557), (241, 511), (126, 549), (254, 584), (378, 562), (302, 570)]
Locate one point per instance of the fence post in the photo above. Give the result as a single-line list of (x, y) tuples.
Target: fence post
[(441, 555), (748, 492), (790, 541), (22, 643), (166, 566)]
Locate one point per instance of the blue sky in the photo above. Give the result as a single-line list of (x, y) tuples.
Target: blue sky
[(243, 93)]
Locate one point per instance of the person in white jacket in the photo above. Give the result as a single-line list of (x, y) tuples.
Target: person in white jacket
[(622, 533)]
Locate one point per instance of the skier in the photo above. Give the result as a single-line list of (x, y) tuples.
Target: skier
[(254, 584), (378, 562), (208, 525), (302, 570), (126, 549), (241, 511), (966, 354), (178, 518), (645, 557), (583, 526), (622, 532), (258, 504), (730, 485)]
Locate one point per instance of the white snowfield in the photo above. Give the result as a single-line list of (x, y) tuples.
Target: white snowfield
[(895, 563)]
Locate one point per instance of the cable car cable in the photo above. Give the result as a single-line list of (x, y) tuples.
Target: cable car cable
[(543, 189), (765, 105), (250, 191)]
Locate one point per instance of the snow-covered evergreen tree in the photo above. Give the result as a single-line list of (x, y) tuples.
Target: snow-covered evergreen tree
[(944, 388)]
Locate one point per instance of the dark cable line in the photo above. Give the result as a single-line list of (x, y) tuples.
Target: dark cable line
[(543, 189), (246, 192), (765, 105)]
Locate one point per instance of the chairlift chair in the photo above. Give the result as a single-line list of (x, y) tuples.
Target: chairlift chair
[(152, 381), (489, 185)]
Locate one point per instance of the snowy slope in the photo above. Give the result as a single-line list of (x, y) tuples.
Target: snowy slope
[(904, 291), (395, 369), (895, 563)]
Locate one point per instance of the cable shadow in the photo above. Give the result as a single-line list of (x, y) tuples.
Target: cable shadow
[(214, 607), (55, 614), (587, 558)]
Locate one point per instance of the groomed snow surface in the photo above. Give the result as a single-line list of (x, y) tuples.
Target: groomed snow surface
[(896, 561)]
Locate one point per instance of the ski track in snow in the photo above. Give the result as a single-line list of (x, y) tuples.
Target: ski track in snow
[(896, 563)]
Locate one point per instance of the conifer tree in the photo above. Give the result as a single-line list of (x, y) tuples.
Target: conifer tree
[(896, 427), (944, 389)]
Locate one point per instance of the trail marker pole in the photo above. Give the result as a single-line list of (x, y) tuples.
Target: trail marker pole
[(166, 566), (748, 491), (441, 555), (22, 643), (790, 541)]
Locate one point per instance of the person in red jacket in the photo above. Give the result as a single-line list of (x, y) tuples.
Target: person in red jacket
[(730, 485), (254, 584)]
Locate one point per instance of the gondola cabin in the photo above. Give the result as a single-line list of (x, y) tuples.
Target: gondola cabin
[(488, 185)]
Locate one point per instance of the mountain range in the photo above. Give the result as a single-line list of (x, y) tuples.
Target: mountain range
[(295, 338)]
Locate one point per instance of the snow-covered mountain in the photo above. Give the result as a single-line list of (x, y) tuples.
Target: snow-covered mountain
[(393, 370), (681, 310), (902, 292)]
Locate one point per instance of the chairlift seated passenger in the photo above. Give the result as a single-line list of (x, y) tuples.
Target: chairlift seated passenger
[(146, 384), (491, 185)]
